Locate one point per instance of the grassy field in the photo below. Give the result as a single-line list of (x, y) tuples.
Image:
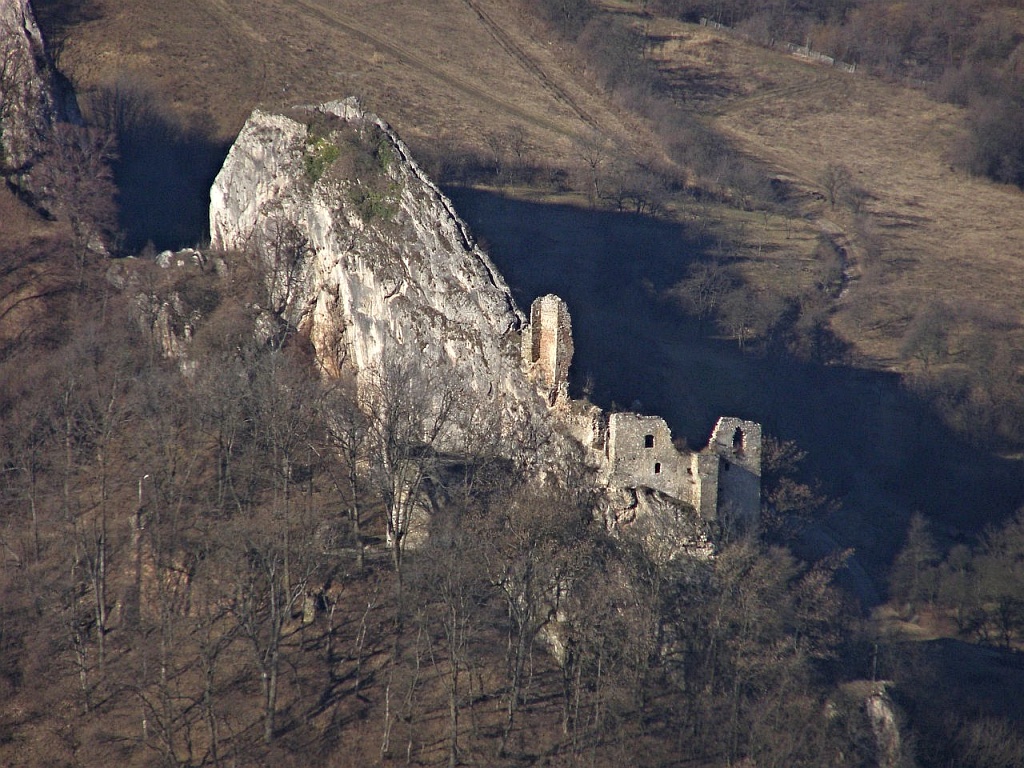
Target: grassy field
[(458, 71), (447, 69), (927, 232)]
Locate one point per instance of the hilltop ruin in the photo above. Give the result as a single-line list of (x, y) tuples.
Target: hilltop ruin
[(722, 481), (403, 278)]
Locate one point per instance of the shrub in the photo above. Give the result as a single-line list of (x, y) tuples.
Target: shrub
[(375, 204), (320, 155)]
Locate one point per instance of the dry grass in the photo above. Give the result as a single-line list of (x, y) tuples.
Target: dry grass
[(939, 236), (434, 70), (458, 70), (21, 226)]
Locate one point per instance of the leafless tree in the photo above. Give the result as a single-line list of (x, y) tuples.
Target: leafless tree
[(283, 246), (596, 157), (747, 315), (411, 413), (913, 579), (78, 184), (927, 336), (836, 180), (347, 438), (702, 290), (532, 544), (130, 112), (451, 584)]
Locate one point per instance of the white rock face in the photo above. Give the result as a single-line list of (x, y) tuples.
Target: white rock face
[(881, 714), (27, 102), (377, 262)]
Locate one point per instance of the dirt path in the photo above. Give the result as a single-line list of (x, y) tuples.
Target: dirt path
[(811, 85), (529, 64), (334, 20)]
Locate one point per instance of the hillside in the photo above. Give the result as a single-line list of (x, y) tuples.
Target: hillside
[(734, 230), (885, 334), (897, 310), (452, 76), (930, 234), (456, 70)]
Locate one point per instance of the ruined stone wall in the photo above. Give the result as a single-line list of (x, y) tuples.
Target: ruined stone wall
[(722, 482), (704, 467), (548, 347), (737, 443), (641, 454), (586, 423)]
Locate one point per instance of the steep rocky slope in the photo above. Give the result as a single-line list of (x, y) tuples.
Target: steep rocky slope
[(366, 257), (32, 95)]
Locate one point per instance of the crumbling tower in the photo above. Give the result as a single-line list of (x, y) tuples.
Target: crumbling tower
[(737, 443), (547, 347)]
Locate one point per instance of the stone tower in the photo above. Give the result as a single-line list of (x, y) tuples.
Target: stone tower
[(737, 443), (547, 347)]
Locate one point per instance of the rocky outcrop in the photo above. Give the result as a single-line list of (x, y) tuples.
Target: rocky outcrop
[(32, 95), (366, 256), (882, 715)]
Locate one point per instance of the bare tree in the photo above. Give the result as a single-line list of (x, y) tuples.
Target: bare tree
[(130, 112), (927, 336), (746, 315), (284, 246), (595, 157), (347, 439), (518, 145), (702, 290), (533, 548), (411, 413), (914, 574), (78, 184), (495, 142), (836, 180), (27, 441), (451, 584)]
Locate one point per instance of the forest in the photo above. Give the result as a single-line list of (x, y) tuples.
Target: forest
[(202, 566)]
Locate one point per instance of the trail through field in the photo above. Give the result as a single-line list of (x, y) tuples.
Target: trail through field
[(810, 85), (336, 21), (529, 64)]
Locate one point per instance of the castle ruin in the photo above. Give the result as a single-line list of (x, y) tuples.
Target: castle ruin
[(722, 481), (548, 347)]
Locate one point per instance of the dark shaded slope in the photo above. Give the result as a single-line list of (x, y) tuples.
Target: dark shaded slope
[(871, 442)]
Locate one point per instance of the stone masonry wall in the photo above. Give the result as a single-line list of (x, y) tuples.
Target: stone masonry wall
[(641, 454), (548, 347), (737, 443), (704, 466), (722, 482)]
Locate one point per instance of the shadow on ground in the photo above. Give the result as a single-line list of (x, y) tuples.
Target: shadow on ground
[(958, 695), (163, 174), (872, 444)]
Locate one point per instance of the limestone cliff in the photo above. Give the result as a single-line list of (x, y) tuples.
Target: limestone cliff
[(32, 96), (366, 255)]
